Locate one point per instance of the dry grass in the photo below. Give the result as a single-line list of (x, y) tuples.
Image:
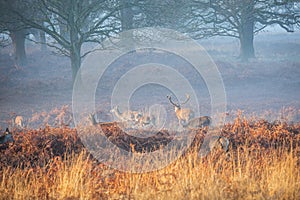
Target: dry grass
[(263, 163)]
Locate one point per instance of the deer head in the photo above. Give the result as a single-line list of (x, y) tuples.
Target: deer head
[(219, 142)]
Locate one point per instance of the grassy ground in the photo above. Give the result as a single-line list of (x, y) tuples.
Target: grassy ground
[(51, 163)]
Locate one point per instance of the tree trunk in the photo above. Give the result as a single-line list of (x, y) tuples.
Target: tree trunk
[(75, 44), (126, 15), (246, 31), (43, 40), (246, 45), (18, 40), (75, 52), (75, 62)]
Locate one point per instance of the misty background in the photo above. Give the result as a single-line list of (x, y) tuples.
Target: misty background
[(255, 44)]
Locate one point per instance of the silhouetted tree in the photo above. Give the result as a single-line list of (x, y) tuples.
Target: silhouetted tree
[(70, 23), (15, 29), (239, 18)]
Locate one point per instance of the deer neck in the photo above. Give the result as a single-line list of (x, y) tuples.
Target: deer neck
[(118, 113), (92, 118), (177, 110)]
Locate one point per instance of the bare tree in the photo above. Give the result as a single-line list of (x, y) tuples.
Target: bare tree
[(241, 19), (15, 29), (70, 23)]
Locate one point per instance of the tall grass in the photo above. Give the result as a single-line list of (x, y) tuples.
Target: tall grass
[(247, 171), (270, 175), (59, 179)]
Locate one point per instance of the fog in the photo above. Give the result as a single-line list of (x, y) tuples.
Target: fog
[(227, 57), (267, 83), (265, 87)]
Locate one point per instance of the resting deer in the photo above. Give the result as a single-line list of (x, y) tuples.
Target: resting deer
[(146, 120), (219, 142), (7, 137), (93, 120), (184, 115), (198, 122), (129, 116), (215, 144)]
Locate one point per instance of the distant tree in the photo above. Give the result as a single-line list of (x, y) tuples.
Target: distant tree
[(15, 29), (239, 18), (70, 23)]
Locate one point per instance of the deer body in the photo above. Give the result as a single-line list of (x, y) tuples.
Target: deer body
[(145, 120), (199, 122), (218, 142), (133, 116), (184, 115)]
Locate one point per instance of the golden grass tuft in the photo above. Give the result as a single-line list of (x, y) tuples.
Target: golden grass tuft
[(59, 179)]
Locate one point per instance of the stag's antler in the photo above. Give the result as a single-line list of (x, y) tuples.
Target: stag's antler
[(187, 99), (178, 105), (174, 104), (183, 114)]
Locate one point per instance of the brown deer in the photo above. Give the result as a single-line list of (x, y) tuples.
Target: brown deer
[(147, 120), (93, 120), (215, 144), (198, 122), (129, 116), (219, 142), (184, 115)]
